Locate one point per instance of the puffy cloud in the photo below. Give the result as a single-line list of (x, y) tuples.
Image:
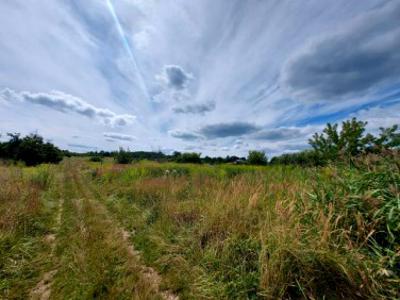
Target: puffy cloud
[(195, 108), (118, 136), (68, 104), (362, 56), (184, 135), (175, 77), (221, 130)]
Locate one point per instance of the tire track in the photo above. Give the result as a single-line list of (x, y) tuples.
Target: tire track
[(42, 290), (148, 274)]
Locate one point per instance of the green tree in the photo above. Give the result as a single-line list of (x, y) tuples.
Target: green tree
[(331, 144), (388, 137), (123, 157), (257, 158), (31, 150), (193, 158)]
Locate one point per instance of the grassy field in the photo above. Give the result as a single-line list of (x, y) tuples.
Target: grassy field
[(84, 230)]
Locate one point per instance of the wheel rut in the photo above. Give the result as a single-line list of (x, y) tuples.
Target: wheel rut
[(147, 274)]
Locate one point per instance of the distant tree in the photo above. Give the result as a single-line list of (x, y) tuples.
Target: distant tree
[(303, 158), (123, 157), (96, 158), (31, 150), (193, 158), (257, 158)]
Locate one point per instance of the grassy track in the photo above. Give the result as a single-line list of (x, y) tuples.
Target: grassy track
[(28, 206), (95, 260), (84, 230)]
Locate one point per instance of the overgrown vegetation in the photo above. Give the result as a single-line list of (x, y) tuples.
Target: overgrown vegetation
[(324, 224), (31, 150), (345, 145), (257, 158), (25, 219), (263, 232), (123, 156)]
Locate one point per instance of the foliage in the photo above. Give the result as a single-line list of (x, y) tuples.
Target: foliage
[(210, 232), (193, 158), (257, 158), (303, 158), (123, 157), (31, 150), (351, 141), (333, 146), (275, 232), (96, 158)]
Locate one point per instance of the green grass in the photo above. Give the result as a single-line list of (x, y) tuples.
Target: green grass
[(259, 232), (26, 210), (211, 232)]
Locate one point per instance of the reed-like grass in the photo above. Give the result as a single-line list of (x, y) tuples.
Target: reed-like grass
[(25, 219), (272, 232), (211, 232)]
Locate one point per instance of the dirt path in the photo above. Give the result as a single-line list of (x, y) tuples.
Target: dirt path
[(87, 244), (148, 274), (42, 290)]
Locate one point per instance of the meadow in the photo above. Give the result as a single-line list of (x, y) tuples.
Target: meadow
[(84, 230)]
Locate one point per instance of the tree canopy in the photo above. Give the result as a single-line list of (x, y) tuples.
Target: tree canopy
[(31, 149)]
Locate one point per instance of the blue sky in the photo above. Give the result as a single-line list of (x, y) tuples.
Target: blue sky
[(213, 76)]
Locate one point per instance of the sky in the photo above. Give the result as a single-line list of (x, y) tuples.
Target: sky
[(219, 77)]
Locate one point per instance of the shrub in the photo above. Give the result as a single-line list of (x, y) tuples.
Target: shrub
[(96, 158), (257, 158), (123, 157), (31, 150), (193, 158)]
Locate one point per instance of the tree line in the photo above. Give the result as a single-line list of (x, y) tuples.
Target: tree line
[(344, 145), (331, 145), (31, 149)]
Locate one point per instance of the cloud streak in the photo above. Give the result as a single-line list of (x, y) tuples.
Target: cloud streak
[(222, 130), (68, 104), (200, 109), (184, 135), (119, 136), (278, 134), (361, 56)]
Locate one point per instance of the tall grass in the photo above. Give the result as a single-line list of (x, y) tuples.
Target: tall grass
[(24, 220), (269, 232), (211, 232)]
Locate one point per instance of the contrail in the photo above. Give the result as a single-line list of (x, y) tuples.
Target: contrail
[(128, 48)]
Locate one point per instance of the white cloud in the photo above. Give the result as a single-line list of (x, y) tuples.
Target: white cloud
[(175, 77), (119, 136), (68, 104), (184, 135), (230, 56), (360, 57), (200, 109), (379, 116)]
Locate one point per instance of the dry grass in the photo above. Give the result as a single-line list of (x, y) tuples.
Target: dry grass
[(258, 234), (225, 232)]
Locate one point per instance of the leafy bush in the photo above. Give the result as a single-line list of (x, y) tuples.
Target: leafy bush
[(303, 158), (31, 150), (193, 158), (257, 158), (350, 141), (96, 158), (123, 157)]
